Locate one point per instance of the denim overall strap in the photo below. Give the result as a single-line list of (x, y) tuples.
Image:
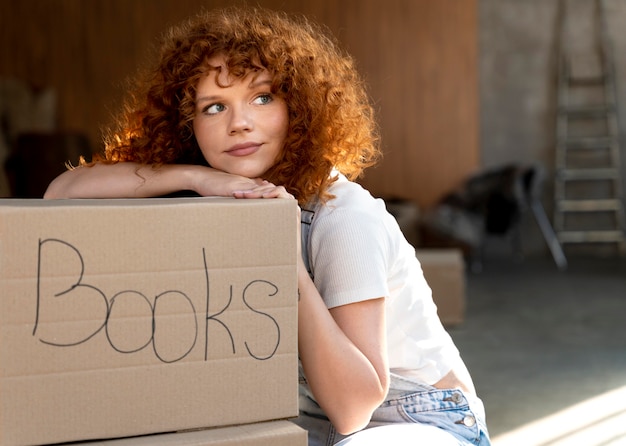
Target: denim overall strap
[(307, 213)]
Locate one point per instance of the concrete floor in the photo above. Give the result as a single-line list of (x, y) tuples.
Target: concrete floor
[(547, 350)]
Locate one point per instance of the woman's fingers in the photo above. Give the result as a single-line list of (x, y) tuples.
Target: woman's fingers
[(265, 190)]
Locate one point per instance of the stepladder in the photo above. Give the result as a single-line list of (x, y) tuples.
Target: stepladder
[(588, 188)]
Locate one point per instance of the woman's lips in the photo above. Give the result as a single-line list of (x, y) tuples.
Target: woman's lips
[(243, 149)]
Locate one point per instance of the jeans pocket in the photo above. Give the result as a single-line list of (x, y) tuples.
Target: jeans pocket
[(449, 410)]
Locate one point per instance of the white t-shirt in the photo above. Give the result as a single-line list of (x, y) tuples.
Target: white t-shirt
[(358, 252)]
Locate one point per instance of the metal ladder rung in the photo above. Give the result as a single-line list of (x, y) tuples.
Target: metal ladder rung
[(603, 205), (591, 236), (588, 174), (590, 142), (584, 111), (586, 80)]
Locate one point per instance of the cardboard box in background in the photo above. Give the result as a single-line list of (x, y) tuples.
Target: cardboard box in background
[(444, 270), (130, 317), (273, 433)]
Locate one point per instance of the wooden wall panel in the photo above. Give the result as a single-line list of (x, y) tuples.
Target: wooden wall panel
[(418, 56), (421, 64)]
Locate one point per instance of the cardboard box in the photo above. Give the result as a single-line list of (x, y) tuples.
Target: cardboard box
[(128, 317), (274, 433), (444, 270)]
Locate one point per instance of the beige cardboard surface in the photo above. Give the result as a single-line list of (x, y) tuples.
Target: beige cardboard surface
[(130, 317), (444, 270), (273, 433)]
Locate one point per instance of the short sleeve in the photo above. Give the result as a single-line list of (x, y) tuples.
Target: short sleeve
[(350, 255)]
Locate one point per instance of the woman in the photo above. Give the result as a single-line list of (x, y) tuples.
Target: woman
[(252, 103)]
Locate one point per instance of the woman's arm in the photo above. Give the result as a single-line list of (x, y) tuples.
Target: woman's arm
[(131, 180), (343, 350), (343, 353)]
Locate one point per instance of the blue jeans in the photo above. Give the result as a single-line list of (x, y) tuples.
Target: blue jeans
[(412, 414)]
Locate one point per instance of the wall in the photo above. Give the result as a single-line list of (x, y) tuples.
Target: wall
[(418, 56)]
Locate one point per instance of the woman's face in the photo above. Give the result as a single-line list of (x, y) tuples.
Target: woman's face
[(240, 128)]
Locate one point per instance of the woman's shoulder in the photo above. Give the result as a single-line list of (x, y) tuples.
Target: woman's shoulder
[(352, 205), (350, 195)]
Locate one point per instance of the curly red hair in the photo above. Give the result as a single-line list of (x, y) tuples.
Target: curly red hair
[(331, 121)]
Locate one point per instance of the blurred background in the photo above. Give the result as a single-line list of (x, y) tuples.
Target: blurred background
[(467, 94)]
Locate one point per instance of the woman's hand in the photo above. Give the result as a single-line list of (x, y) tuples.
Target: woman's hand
[(264, 189), (207, 182)]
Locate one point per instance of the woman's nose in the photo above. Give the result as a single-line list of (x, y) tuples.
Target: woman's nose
[(241, 120)]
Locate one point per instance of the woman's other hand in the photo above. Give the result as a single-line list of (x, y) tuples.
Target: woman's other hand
[(264, 189), (207, 182)]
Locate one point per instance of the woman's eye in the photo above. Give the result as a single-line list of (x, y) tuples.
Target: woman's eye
[(263, 99), (214, 109)]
